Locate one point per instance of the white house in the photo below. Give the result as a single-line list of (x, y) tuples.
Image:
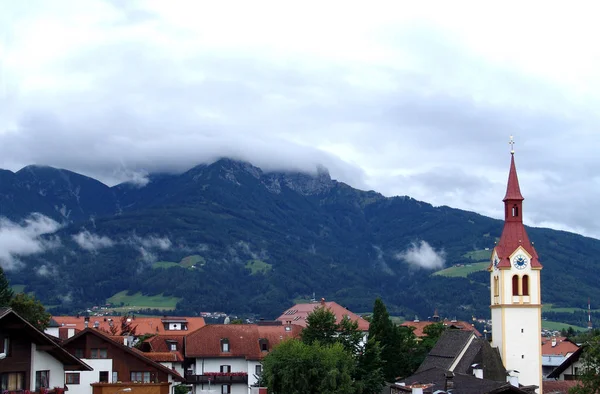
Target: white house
[(227, 357)]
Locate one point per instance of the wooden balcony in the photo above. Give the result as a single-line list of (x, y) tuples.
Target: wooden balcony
[(216, 379)]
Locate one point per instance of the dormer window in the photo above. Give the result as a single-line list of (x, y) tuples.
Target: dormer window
[(172, 345), (225, 345), (263, 344)]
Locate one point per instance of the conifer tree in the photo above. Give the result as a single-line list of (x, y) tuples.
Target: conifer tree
[(397, 343), (6, 292)]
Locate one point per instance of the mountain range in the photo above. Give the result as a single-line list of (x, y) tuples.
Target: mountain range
[(231, 237)]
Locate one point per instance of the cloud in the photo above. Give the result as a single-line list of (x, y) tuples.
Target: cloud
[(422, 255), (395, 98), (92, 242), (153, 242), (46, 271), (25, 239), (147, 246)]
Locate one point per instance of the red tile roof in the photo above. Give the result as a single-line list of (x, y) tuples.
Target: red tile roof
[(160, 349), (513, 191), (563, 347), (298, 313), (419, 326), (243, 340), (145, 325), (164, 356), (558, 386)]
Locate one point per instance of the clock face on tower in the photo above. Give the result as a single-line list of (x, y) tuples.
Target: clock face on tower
[(520, 262)]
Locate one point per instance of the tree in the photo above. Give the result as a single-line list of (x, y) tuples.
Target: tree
[(127, 327), (589, 377), (320, 327), (369, 377), (349, 335), (31, 310), (398, 344), (6, 292), (295, 367)]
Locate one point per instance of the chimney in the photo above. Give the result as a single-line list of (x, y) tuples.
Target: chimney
[(323, 301), (553, 341), (416, 319), (449, 381), (86, 322), (478, 373)]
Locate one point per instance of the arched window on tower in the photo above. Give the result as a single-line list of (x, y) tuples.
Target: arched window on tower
[(525, 285), (515, 210), (515, 285)]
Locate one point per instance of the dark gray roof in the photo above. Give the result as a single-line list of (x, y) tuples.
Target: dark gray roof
[(463, 383), (476, 351), (447, 349)]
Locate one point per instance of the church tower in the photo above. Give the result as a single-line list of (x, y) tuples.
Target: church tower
[(516, 291)]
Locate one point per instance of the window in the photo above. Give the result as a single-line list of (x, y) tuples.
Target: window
[(525, 285), (13, 381), (226, 389), (515, 211), (115, 377), (103, 377), (264, 345), (140, 377), (225, 345), (226, 368), (515, 285), (496, 287), (72, 378), (79, 353), (173, 346), (42, 379), (6, 347), (99, 353), (258, 370)]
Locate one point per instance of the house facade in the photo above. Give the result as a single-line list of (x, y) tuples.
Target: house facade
[(113, 362), (227, 357), (30, 359)]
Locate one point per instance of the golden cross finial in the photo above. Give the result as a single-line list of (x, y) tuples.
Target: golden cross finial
[(512, 145)]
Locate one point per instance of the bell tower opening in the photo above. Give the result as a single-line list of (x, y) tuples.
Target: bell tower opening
[(515, 211)]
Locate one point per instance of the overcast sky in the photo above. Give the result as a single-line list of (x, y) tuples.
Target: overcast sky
[(405, 98)]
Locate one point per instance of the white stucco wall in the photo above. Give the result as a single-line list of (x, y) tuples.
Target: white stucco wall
[(206, 365), (42, 361), (52, 331), (88, 377)]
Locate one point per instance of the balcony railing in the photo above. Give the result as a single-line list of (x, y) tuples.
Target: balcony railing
[(217, 378)]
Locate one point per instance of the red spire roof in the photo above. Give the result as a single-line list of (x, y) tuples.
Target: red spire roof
[(513, 191), (514, 233)]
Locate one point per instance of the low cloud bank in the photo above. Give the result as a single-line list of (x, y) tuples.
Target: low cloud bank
[(422, 255)]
